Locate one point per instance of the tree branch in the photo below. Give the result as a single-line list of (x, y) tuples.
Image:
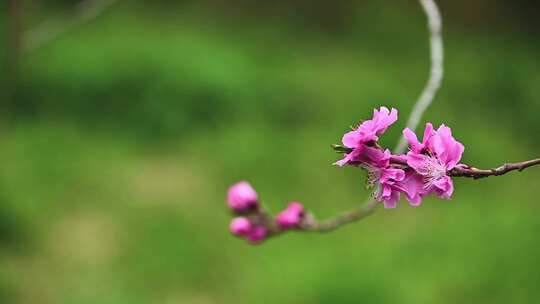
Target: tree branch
[(465, 170), (479, 173), (309, 223), (344, 218), (436, 73)]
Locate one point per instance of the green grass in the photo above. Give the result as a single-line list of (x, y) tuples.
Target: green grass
[(127, 132)]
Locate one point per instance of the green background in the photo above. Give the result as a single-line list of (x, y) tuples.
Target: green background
[(119, 139)]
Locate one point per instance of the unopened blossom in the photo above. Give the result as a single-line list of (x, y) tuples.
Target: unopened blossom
[(241, 197), (439, 154), (240, 226), (367, 132), (291, 216), (257, 234)]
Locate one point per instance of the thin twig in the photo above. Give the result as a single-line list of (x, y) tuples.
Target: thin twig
[(437, 70), (346, 217), (53, 27), (310, 224), (479, 173)]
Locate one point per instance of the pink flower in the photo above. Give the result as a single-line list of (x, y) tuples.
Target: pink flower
[(240, 226), (291, 216), (370, 130), (412, 186), (366, 132), (366, 155), (257, 234), (417, 146), (242, 197), (351, 158), (381, 175), (387, 180), (439, 154)]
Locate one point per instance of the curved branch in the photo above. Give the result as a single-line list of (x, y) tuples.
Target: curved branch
[(309, 222), (426, 97), (436, 73), (344, 218)]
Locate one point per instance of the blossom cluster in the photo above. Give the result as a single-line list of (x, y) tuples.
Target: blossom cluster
[(424, 170), (420, 172), (252, 222)]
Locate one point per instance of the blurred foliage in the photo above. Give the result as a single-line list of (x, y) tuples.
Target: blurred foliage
[(123, 135)]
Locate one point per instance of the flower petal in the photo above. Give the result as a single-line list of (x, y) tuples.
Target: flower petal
[(416, 146), (383, 119), (446, 148), (375, 157), (344, 161), (391, 175), (418, 162), (428, 134), (351, 139), (412, 186), (388, 195), (455, 155), (354, 158), (444, 187)]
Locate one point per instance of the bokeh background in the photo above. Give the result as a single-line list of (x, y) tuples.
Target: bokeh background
[(120, 136)]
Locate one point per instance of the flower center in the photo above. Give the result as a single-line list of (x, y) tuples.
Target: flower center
[(373, 175), (435, 171)]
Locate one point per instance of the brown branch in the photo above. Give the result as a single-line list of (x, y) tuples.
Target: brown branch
[(465, 170), (479, 173)]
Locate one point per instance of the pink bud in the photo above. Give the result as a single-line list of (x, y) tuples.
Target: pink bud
[(240, 226), (257, 234), (241, 197), (291, 216)]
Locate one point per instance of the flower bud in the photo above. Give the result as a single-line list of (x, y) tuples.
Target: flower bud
[(257, 234), (240, 226), (291, 216), (242, 197)]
